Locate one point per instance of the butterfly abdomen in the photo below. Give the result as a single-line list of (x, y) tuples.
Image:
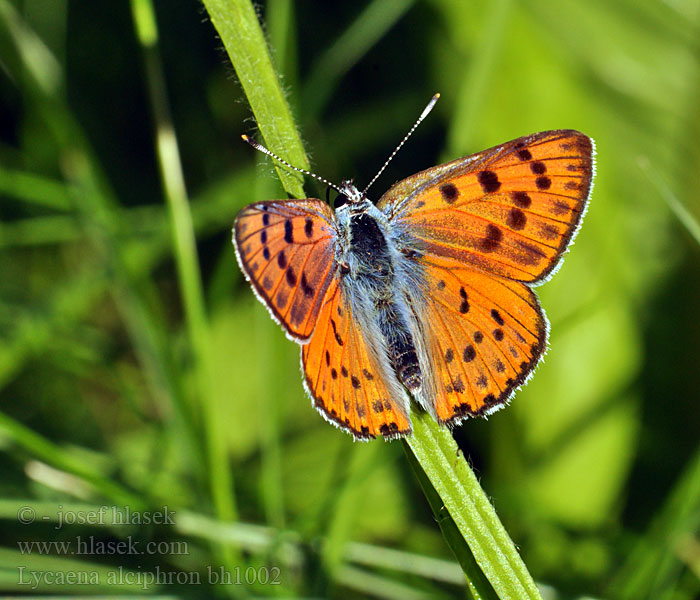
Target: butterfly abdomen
[(402, 354), (375, 275)]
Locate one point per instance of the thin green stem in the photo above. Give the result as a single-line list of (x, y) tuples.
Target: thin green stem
[(470, 509), (239, 29), (189, 276), (432, 445), (369, 27)]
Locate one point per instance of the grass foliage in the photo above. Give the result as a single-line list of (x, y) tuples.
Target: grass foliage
[(137, 370)]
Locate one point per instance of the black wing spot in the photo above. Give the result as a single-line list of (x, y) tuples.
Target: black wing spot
[(367, 374), (308, 290), (478, 337), (309, 227), (521, 199), (489, 181), (291, 276), (449, 355), (538, 167), (516, 219), (492, 239), (496, 316), (282, 260), (499, 366), (458, 385), (524, 154), (288, 231), (355, 382), (543, 182), (498, 334), (338, 339), (469, 353), (449, 192)]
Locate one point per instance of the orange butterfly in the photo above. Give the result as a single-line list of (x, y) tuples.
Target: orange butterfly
[(428, 292)]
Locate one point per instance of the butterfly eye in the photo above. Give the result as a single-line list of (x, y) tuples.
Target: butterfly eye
[(340, 200)]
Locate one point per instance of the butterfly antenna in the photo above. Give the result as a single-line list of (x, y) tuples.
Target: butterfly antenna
[(424, 114), (264, 150)]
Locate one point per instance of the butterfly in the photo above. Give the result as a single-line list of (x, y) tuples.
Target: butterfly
[(427, 294)]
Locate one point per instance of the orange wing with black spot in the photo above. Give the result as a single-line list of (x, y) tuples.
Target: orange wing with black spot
[(286, 250), (348, 376), (509, 211), (484, 335), (485, 228)]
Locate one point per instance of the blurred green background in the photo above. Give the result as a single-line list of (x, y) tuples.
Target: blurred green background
[(594, 468)]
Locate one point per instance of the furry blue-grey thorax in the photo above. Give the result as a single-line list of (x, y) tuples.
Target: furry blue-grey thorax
[(370, 275)]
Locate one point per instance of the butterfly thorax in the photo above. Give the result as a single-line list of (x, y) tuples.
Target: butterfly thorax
[(368, 267)]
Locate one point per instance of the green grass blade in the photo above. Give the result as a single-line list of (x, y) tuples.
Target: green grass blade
[(686, 218), (52, 454), (375, 20), (34, 189), (433, 446), (474, 92), (239, 29), (189, 276), (471, 510), (654, 565), (93, 200), (477, 584)]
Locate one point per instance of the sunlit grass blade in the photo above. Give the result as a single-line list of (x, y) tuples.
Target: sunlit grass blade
[(471, 511), (686, 218), (474, 89), (370, 26), (238, 27), (189, 276), (94, 201), (433, 447), (379, 586), (654, 565), (35, 189), (477, 584), (44, 449)]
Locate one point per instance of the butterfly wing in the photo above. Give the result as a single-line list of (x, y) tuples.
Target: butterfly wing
[(510, 211), (484, 229), (483, 335), (286, 250), (347, 374)]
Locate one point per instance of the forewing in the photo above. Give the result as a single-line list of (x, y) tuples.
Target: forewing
[(348, 377), (484, 336), (511, 210), (286, 250)]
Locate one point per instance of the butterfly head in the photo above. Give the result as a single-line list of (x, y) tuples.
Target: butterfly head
[(347, 194)]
